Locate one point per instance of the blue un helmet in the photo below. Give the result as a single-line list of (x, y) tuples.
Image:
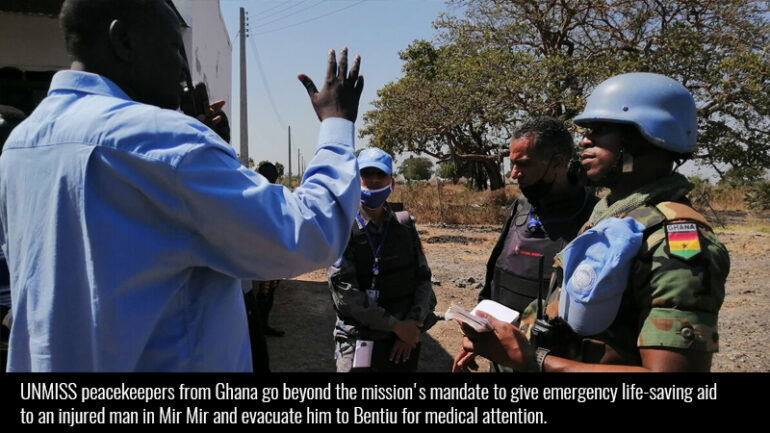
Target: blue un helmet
[(662, 109)]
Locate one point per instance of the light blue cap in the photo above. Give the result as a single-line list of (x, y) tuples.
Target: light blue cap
[(377, 158), (596, 268)]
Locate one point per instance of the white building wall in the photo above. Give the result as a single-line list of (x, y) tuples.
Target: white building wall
[(208, 47), (36, 43)]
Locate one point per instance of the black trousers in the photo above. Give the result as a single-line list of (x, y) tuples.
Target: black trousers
[(260, 359)]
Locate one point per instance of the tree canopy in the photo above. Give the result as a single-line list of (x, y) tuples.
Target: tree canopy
[(504, 61), (416, 168), (474, 173)]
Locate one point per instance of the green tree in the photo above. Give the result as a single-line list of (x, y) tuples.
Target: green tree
[(507, 60), (436, 110), (448, 170), (475, 173), (416, 168)]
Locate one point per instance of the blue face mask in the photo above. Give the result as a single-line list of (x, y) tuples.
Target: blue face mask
[(374, 198)]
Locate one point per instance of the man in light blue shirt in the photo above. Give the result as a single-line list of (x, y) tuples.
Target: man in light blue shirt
[(10, 117), (128, 226)]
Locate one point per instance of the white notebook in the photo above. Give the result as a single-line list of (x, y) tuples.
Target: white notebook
[(479, 324)]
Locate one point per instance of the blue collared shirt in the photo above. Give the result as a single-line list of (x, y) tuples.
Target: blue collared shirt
[(128, 227)]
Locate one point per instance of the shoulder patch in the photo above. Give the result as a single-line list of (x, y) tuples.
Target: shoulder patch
[(583, 279), (677, 211), (683, 240)]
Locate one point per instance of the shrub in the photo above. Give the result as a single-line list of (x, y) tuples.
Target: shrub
[(757, 196)]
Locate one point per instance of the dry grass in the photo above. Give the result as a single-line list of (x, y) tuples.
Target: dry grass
[(722, 198), (744, 228), (462, 205), (459, 205)]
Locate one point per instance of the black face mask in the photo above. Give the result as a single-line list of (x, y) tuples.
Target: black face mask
[(538, 190), (574, 171)]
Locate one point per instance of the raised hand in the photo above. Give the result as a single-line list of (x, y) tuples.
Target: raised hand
[(341, 91)]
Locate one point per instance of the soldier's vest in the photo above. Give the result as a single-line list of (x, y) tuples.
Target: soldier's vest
[(517, 275), (617, 345), (397, 266)]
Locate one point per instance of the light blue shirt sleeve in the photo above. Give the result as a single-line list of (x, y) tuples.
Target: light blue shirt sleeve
[(128, 229), (251, 229)]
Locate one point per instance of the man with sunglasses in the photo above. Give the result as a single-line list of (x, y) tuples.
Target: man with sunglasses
[(381, 285), (546, 217), (653, 307)]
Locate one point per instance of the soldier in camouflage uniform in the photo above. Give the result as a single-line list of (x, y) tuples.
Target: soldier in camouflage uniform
[(640, 124)]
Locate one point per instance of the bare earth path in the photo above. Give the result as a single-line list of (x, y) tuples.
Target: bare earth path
[(458, 255)]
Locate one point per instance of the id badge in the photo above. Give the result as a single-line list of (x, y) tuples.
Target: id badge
[(362, 357), (372, 296)]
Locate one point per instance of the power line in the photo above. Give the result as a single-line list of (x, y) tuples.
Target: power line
[(278, 12), (311, 19), (271, 8), (235, 37), (265, 83), (291, 14)]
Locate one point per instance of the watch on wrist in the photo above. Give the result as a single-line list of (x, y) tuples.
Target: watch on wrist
[(540, 355)]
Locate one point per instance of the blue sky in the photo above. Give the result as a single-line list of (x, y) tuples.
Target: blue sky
[(294, 36)]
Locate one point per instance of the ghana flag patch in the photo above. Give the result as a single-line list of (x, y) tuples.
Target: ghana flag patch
[(683, 240)]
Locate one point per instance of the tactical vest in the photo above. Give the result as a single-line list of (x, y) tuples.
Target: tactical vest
[(397, 266), (617, 344), (517, 278)]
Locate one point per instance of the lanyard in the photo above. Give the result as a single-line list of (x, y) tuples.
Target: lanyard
[(375, 251)]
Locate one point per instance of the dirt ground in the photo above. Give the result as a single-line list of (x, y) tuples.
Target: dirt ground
[(457, 256)]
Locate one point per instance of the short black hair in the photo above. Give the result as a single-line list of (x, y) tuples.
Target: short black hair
[(85, 22), (269, 171), (551, 136)]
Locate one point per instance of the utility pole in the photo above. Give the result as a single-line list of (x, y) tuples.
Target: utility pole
[(299, 165), (289, 155), (244, 116)]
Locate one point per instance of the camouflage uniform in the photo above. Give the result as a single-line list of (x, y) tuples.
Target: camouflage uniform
[(670, 301)]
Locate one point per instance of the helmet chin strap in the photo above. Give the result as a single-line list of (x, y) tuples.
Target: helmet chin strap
[(628, 161), (624, 163)]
